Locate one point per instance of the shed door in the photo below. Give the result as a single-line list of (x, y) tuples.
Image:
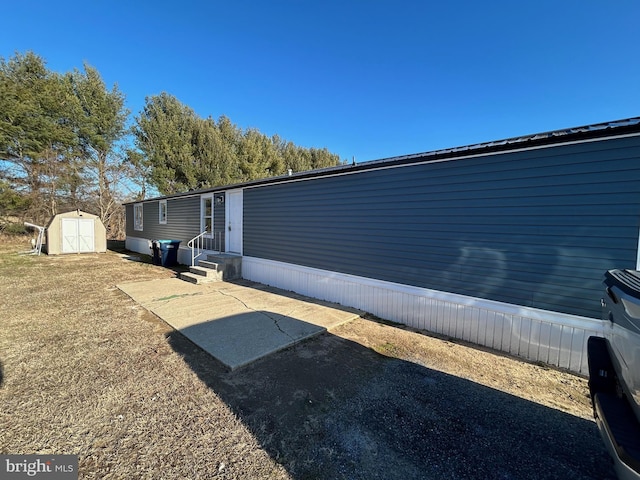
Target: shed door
[(86, 235), (77, 235), (69, 229)]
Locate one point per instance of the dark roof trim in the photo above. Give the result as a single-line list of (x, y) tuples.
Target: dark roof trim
[(576, 134)]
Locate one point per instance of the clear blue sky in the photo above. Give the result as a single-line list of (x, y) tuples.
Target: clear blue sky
[(370, 79)]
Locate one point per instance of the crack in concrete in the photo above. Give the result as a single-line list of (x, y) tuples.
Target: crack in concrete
[(261, 312)]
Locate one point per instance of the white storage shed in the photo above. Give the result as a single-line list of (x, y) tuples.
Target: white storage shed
[(76, 232)]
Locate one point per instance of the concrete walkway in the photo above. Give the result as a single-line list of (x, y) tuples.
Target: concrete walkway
[(238, 322)]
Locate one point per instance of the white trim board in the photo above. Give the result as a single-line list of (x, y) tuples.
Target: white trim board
[(537, 335)]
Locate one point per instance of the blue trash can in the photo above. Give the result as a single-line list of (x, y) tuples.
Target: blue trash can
[(165, 252)]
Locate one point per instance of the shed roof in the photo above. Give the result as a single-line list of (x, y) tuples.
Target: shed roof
[(575, 134), (72, 214)]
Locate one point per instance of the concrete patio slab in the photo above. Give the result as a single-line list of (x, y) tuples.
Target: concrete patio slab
[(237, 322)]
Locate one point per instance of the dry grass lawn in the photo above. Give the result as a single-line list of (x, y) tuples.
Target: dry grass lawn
[(86, 371), (84, 375)]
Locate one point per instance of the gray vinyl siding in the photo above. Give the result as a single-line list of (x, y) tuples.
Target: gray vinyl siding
[(128, 220), (535, 228), (183, 219), (219, 222)]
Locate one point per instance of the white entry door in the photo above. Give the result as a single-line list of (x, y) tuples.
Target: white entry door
[(234, 221), (77, 235)]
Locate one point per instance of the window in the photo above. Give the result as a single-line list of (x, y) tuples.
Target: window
[(206, 215), (162, 212), (137, 216)]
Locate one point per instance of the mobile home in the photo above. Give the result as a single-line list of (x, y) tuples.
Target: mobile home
[(502, 244)]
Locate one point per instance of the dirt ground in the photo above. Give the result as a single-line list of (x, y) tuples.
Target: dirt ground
[(86, 371)]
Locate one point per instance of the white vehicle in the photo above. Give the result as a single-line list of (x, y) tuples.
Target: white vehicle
[(614, 372)]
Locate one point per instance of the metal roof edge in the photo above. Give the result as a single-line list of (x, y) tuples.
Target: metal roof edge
[(586, 132), (600, 130)]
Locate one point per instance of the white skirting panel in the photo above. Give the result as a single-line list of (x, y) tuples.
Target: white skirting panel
[(538, 335), (139, 245), (143, 245)]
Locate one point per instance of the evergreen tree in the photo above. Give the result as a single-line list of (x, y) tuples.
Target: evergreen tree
[(62, 145), (185, 152), (164, 132), (38, 143), (101, 127)]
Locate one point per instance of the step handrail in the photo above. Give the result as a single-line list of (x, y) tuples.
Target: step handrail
[(196, 244)]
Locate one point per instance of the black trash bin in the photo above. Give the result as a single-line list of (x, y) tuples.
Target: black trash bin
[(168, 252)]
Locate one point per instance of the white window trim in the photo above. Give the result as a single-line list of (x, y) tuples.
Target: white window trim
[(166, 212), (138, 225), (202, 211)]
